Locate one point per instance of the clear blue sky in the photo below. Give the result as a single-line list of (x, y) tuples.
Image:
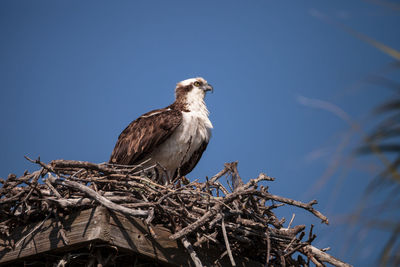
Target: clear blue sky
[(73, 74)]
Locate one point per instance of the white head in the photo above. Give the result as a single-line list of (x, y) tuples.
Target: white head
[(191, 92)]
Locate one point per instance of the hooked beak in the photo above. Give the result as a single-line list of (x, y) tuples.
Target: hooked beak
[(208, 87)]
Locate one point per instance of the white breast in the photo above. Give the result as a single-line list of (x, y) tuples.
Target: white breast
[(187, 138)]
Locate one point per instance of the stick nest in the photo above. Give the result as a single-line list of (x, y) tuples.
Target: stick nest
[(237, 218)]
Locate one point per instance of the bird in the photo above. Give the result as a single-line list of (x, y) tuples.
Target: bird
[(170, 140)]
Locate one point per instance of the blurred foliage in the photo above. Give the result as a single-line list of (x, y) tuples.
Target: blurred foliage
[(384, 143)]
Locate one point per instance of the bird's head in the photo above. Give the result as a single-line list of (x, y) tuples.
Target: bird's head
[(193, 89)]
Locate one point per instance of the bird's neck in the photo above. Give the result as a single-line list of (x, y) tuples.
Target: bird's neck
[(193, 102), (197, 106), (197, 109), (194, 105)]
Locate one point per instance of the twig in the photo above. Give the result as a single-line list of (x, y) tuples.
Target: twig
[(33, 230), (228, 247), (305, 206), (191, 251), (291, 221), (51, 187), (200, 222), (268, 249), (102, 200), (325, 257)]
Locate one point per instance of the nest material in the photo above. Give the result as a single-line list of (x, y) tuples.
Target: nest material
[(238, 218)]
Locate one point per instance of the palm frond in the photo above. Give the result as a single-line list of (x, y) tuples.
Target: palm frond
[(385, 148), (383, 82), (390, 106), (384, 133)]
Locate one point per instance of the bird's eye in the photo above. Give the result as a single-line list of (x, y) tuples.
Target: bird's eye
[(196, 84)]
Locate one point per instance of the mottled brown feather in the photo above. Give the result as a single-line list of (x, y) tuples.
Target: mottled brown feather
[(144, 134)]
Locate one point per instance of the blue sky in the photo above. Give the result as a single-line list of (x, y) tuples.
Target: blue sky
[(73, 74)]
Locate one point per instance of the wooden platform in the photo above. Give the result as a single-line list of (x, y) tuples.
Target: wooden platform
[(112, 231)]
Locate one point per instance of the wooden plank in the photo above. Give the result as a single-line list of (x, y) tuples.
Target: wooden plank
[(133, 234), (99, 225), (80, 228)]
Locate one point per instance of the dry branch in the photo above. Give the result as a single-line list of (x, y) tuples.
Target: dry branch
[(102, 200), (240, 221)]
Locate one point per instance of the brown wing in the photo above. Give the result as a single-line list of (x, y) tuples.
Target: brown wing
[(194, 159), (144, 134)]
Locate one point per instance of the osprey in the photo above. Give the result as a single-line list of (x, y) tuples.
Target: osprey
[(172, 138)]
